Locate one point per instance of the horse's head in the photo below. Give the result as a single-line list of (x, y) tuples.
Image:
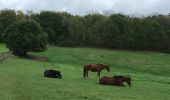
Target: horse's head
[(128, 80), (107, 67), (60, 76)]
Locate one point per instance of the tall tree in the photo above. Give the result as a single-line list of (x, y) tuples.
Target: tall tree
[(52, 24), (7, 17), (76, 30)]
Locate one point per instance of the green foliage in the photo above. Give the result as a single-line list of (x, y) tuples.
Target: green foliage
[(52, 24), (25, 36), (21, 15), (91, 19), (3, 48), (116, 31), (76, 30), (68, 43), (7, 17)]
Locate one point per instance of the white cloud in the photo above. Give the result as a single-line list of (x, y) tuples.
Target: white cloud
[(83, 6)]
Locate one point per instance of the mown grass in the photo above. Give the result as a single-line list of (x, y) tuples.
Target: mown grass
[(22, 79)]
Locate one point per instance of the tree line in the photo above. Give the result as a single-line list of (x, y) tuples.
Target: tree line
[(117, 31)]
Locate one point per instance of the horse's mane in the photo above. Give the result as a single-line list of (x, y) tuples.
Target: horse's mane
[(122, 77), (99, 64), (118, 76)]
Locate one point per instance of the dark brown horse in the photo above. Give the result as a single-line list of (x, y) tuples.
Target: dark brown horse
[(115, 80), (95, 68)]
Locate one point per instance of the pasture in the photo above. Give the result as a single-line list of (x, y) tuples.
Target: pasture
[(22, 79)]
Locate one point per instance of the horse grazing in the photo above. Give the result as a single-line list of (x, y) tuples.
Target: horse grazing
[(52, 74), (95, 68), (115, 80)]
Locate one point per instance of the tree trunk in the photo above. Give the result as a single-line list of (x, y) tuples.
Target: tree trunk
[(20, 53)]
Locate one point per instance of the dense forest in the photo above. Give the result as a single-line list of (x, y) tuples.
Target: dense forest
[(117, 31)]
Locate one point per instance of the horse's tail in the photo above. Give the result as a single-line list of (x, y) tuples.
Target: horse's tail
[(100, 80)]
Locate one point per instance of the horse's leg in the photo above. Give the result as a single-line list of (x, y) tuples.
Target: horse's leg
[(87, 73), (84, 73), (98, 74)]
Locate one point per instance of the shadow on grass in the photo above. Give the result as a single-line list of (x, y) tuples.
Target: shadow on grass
[(35, 58)]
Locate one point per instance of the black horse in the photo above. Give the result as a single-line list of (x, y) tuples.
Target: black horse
[(52, 74)]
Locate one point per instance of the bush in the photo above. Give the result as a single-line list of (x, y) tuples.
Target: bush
[(25, 36)]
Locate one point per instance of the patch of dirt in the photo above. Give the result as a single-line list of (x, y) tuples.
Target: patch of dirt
[(36, 58)]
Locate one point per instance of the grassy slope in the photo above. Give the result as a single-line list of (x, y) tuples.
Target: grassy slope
[(22, 79)]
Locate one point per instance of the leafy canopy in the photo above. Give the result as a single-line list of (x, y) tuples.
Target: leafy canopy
[(25, 36)]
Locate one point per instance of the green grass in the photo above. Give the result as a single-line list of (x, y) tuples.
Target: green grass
[(3, 48), (22, 79)]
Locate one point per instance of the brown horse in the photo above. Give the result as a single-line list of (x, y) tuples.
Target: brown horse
[(115, 80), (95, 68)]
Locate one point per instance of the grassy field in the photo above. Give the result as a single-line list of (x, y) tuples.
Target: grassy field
[(22, 79)]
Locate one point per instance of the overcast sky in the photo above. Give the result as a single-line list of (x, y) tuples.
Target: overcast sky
[(83, 6)]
